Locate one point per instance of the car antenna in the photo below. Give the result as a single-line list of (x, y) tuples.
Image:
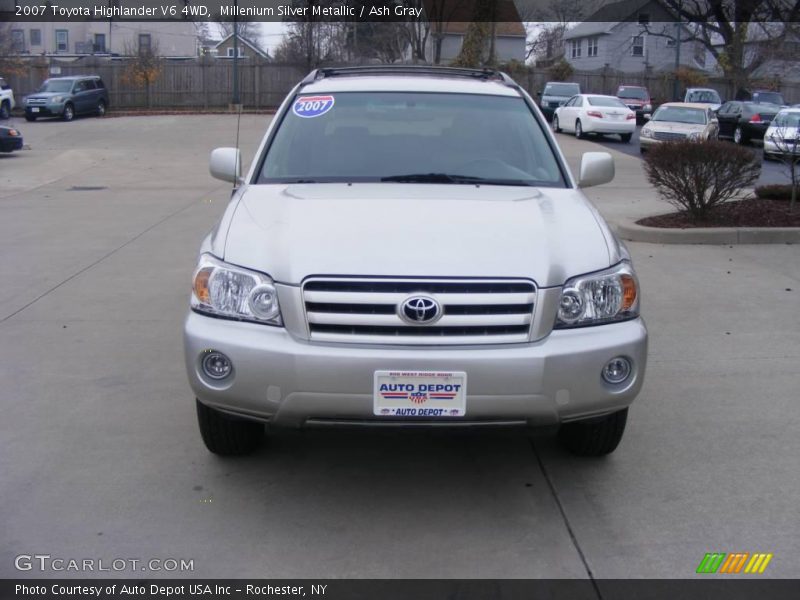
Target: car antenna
[(239, 152)]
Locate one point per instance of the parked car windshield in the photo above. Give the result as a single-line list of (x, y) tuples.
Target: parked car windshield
[(787, 120), (633, 93), (705, 96), (768, 98), (600, 101), (60, 85), (413, 138), (680, 114), (561, 89)]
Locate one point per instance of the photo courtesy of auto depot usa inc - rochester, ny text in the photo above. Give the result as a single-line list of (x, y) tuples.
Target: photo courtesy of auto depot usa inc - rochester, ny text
[(160, 591)]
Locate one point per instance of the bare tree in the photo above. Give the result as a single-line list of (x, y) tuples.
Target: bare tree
[(143, 66), (417, 33), (547, 23), (441, 13), (249, 30), (10, 62)]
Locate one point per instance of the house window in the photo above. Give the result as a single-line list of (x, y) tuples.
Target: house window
[(241, 52), (62, 40), (637, 45), (36, 37), (670, 42), (575, 49), (99, 46), (591, 49), (17, 40), (145, 45)]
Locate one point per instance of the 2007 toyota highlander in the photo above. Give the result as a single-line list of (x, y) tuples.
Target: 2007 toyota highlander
[(410, 248)]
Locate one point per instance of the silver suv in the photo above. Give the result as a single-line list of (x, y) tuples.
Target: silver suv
[(410, 248)]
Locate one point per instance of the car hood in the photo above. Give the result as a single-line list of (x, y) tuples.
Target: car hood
[(47, 94), (675, 127), (293, 231)]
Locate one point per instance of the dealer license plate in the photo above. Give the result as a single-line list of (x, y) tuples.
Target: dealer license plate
[(429, 394), (34, 110)]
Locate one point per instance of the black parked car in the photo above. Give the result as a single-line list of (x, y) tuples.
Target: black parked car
[(10, 139), (745, 121), (66, 97)]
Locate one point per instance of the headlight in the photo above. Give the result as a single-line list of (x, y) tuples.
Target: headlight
[(648, 133), (598, 298), (223, 290), (695, 136), (57, 99), (647, 107)]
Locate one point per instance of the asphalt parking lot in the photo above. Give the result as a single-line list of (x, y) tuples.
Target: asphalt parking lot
[(100, 222)]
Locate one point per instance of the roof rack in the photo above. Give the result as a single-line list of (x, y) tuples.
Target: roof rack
[(483, 74)]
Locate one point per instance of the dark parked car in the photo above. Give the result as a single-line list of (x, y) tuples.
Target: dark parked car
[(762, 97), (66, 97), (636, 98), (745, 121), (10, 139)]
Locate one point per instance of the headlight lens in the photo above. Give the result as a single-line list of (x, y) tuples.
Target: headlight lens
[(695, 136), (648, 133), (57, 99), (223, 290), (598, 298), (647, 107)]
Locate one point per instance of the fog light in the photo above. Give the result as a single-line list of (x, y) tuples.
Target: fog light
[(617, 370), (216, 365)]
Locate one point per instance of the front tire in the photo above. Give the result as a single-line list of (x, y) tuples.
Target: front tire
[(30, 118), (556, 126), (69, 113), (739, 137), (101, 109), (594, 437), (626, 138), (5, 110), (226, 435), (579, 130)]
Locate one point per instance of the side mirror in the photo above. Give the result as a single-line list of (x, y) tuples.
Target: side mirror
[(226, 164), (597, 168), (647, 116)]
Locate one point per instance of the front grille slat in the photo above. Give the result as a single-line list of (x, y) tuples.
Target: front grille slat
[(668, 135), (482, 311)]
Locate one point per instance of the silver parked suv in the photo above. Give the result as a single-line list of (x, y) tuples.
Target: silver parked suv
[(410, 248)]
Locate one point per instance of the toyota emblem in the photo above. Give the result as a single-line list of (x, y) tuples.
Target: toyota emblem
[(420, 310)]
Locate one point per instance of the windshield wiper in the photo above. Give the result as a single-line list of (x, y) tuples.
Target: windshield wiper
[(448, 178)]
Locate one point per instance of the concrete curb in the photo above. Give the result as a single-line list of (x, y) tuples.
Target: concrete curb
[(628, 230)]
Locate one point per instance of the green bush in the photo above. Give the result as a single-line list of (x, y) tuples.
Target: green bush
[(696, 176)]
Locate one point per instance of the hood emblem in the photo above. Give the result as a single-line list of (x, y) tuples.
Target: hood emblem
[(420, 310)]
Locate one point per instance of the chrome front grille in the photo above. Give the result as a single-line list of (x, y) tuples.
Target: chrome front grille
[(37, 101), (471, 311), (668, 135)]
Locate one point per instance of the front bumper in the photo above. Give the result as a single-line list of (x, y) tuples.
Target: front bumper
[(787, 147), (286, 381), (45, 110), (9, 144)]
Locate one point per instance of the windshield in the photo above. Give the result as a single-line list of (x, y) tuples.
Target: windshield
[(632, 93), (787, 120), (561, 89), (410, 138), (59, 85), (768, 98), (600, 101), (680, 114), (704, 96)]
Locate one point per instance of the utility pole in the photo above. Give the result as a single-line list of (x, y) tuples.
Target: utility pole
[(676, 83), (236, 100)]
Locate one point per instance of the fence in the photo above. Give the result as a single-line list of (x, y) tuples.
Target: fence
[(208, 82)]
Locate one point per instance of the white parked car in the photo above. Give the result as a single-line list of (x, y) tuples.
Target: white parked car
[(6, 99), (783, 135), (592, 113)]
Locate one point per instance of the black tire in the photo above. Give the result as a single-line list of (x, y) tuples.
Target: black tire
[(626, 138), (579, 130), (69, 112), (226, 435), (101, 109), (595, 437), (30, 118), (5, 110), (739, 137), (556, 128)]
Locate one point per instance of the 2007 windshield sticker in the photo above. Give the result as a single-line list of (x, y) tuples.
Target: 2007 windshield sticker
[(312, 106)]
